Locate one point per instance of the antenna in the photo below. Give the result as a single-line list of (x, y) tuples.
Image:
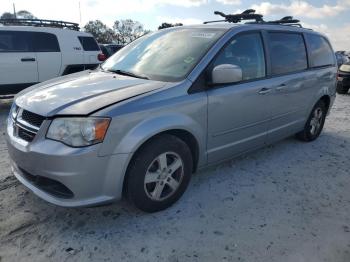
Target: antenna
[(14, 10), (79, 13)]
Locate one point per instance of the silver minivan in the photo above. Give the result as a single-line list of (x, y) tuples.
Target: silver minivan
[(166, 105)]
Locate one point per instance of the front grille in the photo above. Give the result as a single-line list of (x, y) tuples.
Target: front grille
[(26, 124), (32, 118), (25, 135)]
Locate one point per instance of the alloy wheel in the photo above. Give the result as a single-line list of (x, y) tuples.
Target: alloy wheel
[(316, 121), (164, 176)]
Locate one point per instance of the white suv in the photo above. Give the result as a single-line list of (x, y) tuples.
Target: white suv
[(33, 54)]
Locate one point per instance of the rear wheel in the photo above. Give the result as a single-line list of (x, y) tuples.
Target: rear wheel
[(315, 123), (159, 173), (342, 90)]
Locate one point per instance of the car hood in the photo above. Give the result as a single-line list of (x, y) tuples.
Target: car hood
[(82, 93)]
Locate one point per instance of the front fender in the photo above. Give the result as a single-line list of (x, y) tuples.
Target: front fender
[(150, 127)]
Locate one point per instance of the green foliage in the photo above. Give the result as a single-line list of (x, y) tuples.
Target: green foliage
[(102, 33), (128, 30), (24, 14), (167, 25), (123, 32), (7, 15)]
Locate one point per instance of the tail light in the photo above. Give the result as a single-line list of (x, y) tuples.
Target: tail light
[(101, 57), (338, 75)]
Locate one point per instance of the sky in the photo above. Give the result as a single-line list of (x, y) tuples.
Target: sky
[(329, 17)]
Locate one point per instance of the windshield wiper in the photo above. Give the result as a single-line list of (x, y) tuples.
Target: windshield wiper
[(126, 73)]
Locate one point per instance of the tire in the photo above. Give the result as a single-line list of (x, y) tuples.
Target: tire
[(342, 90), (159, 173), (314, 124)]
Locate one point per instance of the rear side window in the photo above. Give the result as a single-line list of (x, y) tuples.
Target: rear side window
[(247, 52), (287, 52), (45, 42), (88, 43), (15, 41), (321, 53)]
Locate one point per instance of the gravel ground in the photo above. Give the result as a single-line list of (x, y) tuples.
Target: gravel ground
[(288, 202)]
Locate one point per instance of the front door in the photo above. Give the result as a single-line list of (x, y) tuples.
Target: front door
[(48, 54), (238, 112), (18, 62)]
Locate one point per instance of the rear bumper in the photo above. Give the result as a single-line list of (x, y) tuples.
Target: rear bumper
[(65, 176)]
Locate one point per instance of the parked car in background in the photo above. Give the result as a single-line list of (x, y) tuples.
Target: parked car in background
[(342, 57), (33, 54), (343, 84), (146, 119), (110, 49)]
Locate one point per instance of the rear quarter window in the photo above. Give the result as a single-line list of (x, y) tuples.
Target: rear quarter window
[(321, 53), (287, 52), (45, 42), (88, 43)]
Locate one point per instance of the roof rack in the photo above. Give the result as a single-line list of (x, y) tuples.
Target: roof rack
[(250, 15), (287, 20), (40, 23), (236, 18)]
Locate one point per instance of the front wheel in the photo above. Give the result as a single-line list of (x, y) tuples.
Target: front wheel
[(159, 173), (315, 123)]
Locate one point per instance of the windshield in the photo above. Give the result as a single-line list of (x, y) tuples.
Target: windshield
[(167, 55)]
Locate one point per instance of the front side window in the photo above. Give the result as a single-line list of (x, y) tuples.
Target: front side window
[(247, 52), (45, 42), (287, 52), (321, 53), (167, 55), (15, 41)]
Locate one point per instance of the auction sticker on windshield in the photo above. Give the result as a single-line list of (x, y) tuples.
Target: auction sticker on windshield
[(203, 35)]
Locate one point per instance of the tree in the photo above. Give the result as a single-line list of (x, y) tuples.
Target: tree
[(102, 33), (24, 14), (167, 25), (7, 15), (128, 30)]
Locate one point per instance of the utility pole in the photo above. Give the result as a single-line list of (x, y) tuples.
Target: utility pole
[(79, 13), (14, 10)]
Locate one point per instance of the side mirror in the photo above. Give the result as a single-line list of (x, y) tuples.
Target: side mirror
[(226, 73)]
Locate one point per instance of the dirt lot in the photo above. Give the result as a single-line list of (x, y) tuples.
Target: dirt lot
[(288, 202)]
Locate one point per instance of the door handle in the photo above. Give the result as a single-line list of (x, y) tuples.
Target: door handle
[(264, 91), (281, 87), (28, 59)]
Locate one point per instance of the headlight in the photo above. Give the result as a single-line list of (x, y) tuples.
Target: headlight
[(13, 111), (13, 114), (78, 131)]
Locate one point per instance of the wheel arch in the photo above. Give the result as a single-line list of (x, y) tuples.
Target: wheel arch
[(183, 134), (327, 100), (324, 94)]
